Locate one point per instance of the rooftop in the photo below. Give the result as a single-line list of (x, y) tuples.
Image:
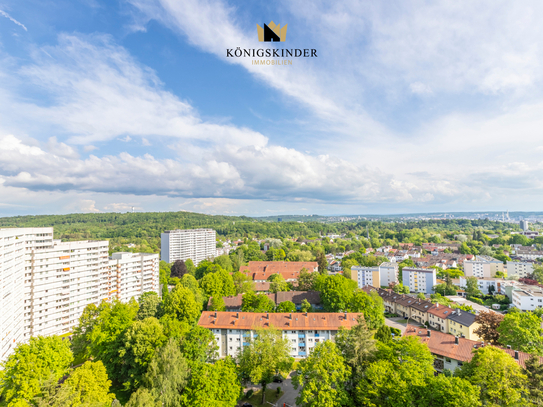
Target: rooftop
[(282, 321)]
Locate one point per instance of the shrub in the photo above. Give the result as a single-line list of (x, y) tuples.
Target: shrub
[(249, 393)]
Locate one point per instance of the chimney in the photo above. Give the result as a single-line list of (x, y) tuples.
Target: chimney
[(215, 314), (516, 355), (437, 304), (458, 312), (291, 315), (428, 332), (456, 340), (237, 314), (345, 316), (508, 346)]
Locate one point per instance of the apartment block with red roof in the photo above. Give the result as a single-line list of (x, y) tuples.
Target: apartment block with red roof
[(233, 330), (260, 271)]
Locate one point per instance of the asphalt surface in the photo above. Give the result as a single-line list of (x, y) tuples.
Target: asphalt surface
[(289, 395)]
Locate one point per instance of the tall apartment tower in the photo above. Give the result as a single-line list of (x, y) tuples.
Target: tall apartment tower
[(524, 225), (46, 284), (194, 244)]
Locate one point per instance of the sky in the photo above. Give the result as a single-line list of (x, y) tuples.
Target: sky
[(409, 106)]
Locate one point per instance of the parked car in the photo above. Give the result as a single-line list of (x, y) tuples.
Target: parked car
[(246, 405), (278, 379)]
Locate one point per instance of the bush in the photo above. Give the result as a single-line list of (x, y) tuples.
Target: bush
[(476, 300), (249, 393), (278, 391), (396, 331)]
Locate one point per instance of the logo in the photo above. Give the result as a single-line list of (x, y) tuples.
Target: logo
[(272, 32)]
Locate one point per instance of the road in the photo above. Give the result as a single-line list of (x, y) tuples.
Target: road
[(290, 394)]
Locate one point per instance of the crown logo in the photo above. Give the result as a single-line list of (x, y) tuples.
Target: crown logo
[(272, 32)]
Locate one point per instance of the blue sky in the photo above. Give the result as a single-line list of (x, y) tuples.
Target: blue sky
[(410, 107)]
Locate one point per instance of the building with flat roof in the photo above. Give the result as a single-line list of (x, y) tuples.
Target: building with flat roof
[(46, 283), (419, 280), (233, 330), (482, 266), (194, 244), (527, 297), (520, 269)]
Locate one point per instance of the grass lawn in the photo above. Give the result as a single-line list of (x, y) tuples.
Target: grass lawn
[(402, 321), (256, 398)]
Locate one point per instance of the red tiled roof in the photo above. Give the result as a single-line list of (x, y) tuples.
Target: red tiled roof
[(441, 311), (444, 345), (283, 321), (264, 286), (262, 270)]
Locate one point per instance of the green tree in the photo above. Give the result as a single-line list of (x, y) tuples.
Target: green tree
[(464, 249), (143, 397), (106, 335), (218, 283), (178, 269), (277, 283), (472, 289), (357, 346), (264, 357), (89, 384), (225, 262), (400, 289), (167, 376), (190, 266), (80, 339), (173, 328), (217, 304), (192, 284), (306, 280), (32, 363), (498, 376), (243, 283), (337, 293), (286, 306), (384, 384), (383, 334), (252, 302), (140, 342), (306, 306), (322, 377), (182, 305), (199, 345), (421, 296), (448, 392), (522, 330), (371, 305), (538, 273), (534, 372), (322, 262), (149, 304), (212, 385)]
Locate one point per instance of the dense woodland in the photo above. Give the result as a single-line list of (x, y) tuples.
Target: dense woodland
[(144, 229)]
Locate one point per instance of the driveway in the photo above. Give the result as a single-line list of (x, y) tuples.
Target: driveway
[(289, 395)]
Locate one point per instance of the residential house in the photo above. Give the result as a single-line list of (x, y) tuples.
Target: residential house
[(260, 271), (437, 317), (234, 303), (462, 323), (420, 309), (452, 352)]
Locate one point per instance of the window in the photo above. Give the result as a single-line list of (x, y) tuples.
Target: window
[(448, 360)]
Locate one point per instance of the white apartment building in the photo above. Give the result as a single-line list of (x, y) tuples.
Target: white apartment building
[(529, 254), (194, 244), (419, 280), (233, 330), (482, 266), (133, 274), (484, 283), (381, 275), (15, 244), (46, 284), (528, 298), (519, 269)]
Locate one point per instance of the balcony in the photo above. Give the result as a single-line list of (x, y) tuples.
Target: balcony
[(301, 335), (301, 344), (317, 335), (301, 353), (245, 343)]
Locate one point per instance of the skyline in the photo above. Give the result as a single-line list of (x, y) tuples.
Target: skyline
[(407, 109)]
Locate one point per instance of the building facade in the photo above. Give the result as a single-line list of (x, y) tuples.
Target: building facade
[(482, 266), (233, 330), (46, 284), (194, 244), (419, 280), (520, 269)]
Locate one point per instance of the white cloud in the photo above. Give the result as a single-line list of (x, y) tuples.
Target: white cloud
[(3, 13)]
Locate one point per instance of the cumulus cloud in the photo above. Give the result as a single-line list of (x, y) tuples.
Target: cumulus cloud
[(266, 173)]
